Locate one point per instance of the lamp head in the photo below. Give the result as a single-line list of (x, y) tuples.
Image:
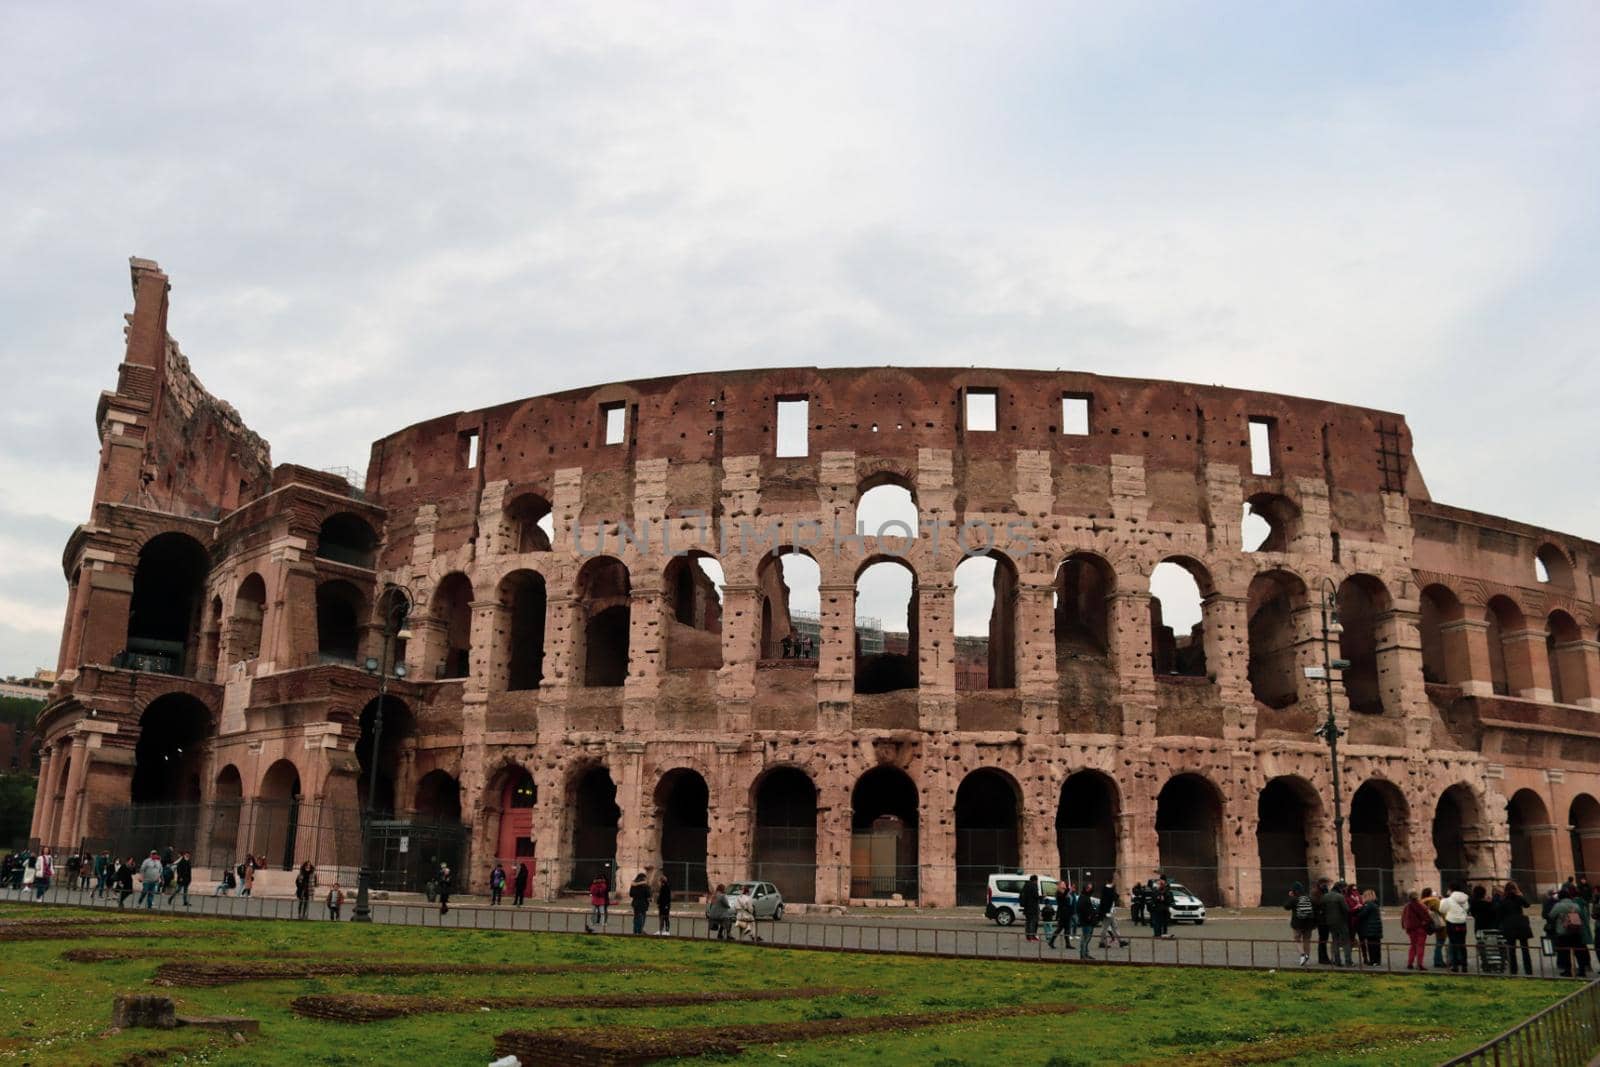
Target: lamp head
[(403, 635), (399, 670), (371, 665)]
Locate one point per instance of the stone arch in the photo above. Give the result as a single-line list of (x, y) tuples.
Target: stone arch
[(1552, 566), (227, 804), (1274, 601), (438, 797), (340, 609), (691, 605), (509, 809), (394, 611), (1565, 654), (384, 745), (1445, 650), (593, 818), (1189, 818), (346, 537), (452, 614), (1270, 523), (988, 821), (1086, 825), (1533, 853), (790, 584), (986, 607), (783, 802), (1583, 820), (1510, 671), (1179, 586), (174, 731), (886, 506), (1362, 600), (883, 835), (1379, 816), (1289, 820), (168, 596), (249, 618), (530, 524), (605, 611), (886, 659), (1457, 823), (1084, 584), (277, 814), (523, 596), (683, 823)]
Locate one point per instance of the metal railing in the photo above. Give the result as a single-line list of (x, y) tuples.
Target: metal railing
[(1566, 1034)]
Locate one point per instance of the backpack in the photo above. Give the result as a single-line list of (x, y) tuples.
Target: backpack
[(1572, 922), (1302, 908)]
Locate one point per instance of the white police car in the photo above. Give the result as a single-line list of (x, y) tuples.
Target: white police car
[(1004, 904), (1186, 907)]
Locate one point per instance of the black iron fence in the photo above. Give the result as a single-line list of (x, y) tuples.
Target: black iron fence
[(1566, 1034)]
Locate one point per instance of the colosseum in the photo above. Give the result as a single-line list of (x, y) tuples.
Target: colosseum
[(624, 625)]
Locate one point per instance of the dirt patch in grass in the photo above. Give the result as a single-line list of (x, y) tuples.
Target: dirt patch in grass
[(55, 932), (211, 973), (375, 1007), (1347, 1040), (45, 920), (107, 955), (619, 1045)]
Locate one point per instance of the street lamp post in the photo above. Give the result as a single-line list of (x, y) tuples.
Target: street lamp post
[(1329, 730), (394, 616)]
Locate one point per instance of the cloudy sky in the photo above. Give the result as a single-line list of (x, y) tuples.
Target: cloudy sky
[(380, 213)]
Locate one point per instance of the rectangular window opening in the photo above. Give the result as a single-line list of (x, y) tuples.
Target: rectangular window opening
[(1261, 442), (1075, 415), (982, 409), (794, 416), (469, 449), (616, 422)]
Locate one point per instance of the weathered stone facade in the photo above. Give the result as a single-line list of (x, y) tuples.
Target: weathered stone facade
[(220, 611)]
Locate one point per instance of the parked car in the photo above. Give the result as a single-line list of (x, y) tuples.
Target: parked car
[(1004, 903), (1186, 907), (765, 900)]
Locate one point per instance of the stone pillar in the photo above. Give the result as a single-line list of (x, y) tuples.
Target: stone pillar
[(936, 841), (1580, 672), (836, 664), (105, 625), (1128, 636), (936, 656), (637, 845), (833, 846), (1466, 655), (1527, 665), (1309, 652), (1227, 645), (728, 812), (72, 803), (741, 640), (1036, 634), (646, 639), (41, 802), (563, 645), (491, 646)]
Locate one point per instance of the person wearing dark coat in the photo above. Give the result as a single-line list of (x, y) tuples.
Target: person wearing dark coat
[(1064, 916), (1320, 915), (1369, 926), (1088, 917), (664, 905), (639, 898), (1515, 927), (1484, 915), (444, 882), (520, 884), (1029, 899), (1336, 913)]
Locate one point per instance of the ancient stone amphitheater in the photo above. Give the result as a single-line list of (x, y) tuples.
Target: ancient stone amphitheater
[(627, 620)]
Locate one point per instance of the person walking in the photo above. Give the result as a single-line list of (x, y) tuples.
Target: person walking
[(1320, 914), (1336, 912), (1088, 915), (44, 872), (335, 901), (103, 866), (1415, 921), (182, 875), (123, 876), (247, 875), (1432, 901), (497, 884), (1302, 917), (519, 884), (639, 898), (150, 879), (1455, 908), (664, 906), (599, 897), (1029, 901), (1161, 911), (305, 884), (1063, 915), (718, 913), (443, 883), (1515, 927), (1369, 925)]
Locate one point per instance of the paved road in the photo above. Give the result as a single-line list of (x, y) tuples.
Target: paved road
[(1247, 938)]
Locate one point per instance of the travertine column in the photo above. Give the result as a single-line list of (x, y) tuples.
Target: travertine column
[(72, 803), (41, 806), (936, 656), (1128, 635), (1527, 665), (836, 665), (1580, 673), (1466, 655)]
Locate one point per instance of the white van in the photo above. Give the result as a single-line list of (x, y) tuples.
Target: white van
[(1004, 904)]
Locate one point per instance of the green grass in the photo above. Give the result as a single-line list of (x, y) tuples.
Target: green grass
[(57, 1012)]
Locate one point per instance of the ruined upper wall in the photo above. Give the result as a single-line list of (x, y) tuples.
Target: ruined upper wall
[(167, 443)]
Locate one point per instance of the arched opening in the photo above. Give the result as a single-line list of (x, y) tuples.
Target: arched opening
[(1552, 567), (1188, 829), (1086, 826), (883, 835), (1444, 638), (249, 615), (438, 797), (347, 538), (1564, 651), (227, 799), (517, 797), (1533, 859), (385, 744), (1287, 811), (277, 815), (791, 599), (1362, 599), (340, 608), (592, 801), (988, 832), (784, 851), (167, 757), (886, 627), (1269, 524), (683, 815), (692, 588), (1377, 818), (164, 615), (1453, 816), (1083, 587), (887, 508), (531, 526), (986, 622), (1583, 816), (394, 608), (452, 612), (1177, 628), (1273, 600), (522, 593), (1509, 671), (605, 607)]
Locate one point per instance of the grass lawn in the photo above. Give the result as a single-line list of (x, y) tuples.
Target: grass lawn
[(52, 1011)]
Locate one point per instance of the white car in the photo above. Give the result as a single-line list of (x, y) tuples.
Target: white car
[(1186, 907), (765, 900), (1003, 904)]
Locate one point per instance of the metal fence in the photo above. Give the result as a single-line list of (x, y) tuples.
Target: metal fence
[(1566, 1034)]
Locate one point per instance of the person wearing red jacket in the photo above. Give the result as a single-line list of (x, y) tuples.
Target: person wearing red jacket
[(1416, 921)]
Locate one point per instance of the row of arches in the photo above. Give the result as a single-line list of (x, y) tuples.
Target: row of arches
[(1499, 646)]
